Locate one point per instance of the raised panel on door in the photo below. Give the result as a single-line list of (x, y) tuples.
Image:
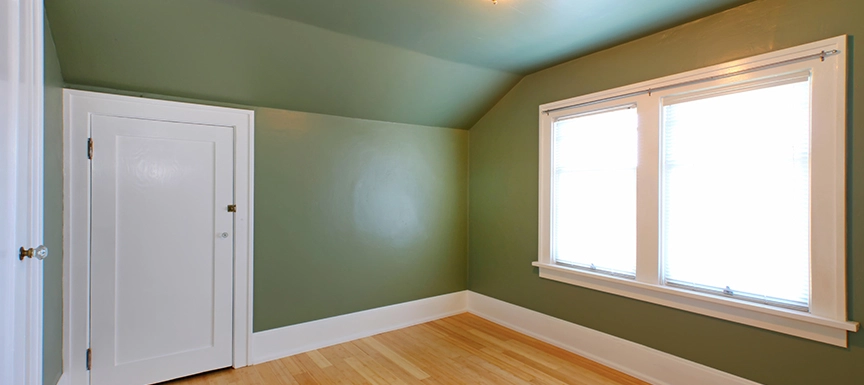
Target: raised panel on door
[(161, 259)]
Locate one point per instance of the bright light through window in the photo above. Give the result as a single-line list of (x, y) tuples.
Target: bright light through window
[(720, 191), (594, 204), (735, 194)]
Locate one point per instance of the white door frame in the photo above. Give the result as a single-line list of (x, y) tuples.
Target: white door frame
[(78, 107), (21, 128)]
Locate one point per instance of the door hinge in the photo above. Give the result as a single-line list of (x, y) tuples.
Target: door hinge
[(232, 208), (89, 148), (89, 357)]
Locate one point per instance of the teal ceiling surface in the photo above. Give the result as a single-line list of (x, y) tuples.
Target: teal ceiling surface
[(435, 62), (519, 36)]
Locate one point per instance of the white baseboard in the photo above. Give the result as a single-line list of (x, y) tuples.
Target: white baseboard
[(64, 380), (290, 340), (637, 360)]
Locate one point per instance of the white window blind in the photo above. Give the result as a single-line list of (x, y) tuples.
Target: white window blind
[(735, 192), (594, 191)]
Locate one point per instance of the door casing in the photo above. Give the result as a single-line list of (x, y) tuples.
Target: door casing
[(78, 108)]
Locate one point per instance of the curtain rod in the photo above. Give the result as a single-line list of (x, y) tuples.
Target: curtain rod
[(648, 91)]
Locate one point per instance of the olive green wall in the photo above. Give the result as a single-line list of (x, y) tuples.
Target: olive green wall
[(52, 337), (354, 214), (503, 194), (351, 214)]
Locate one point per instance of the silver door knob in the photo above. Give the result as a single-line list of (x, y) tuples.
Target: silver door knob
[(40, 253), (223, 235)]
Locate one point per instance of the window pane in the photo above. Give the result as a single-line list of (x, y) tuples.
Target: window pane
[(594, 191), (736, 194)]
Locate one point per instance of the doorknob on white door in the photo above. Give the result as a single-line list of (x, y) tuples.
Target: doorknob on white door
[(223, 235), (40, 253)]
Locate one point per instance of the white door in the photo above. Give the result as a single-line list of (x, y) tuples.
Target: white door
[(20, 191), (161, 258), (20, 279)]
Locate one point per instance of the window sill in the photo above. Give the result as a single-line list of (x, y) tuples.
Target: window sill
[(796, 323)]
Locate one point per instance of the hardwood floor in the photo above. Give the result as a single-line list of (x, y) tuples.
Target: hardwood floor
[(463, 349)]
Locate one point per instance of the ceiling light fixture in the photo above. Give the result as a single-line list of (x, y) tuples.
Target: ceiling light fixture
[(494, 1)]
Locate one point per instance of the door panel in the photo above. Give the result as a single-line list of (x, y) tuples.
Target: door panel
[(21, 163), (161, 270)]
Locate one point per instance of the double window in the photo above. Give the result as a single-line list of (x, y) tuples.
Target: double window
[(720, 191)]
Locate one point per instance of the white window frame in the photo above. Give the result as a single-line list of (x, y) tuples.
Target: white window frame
[(826, 321)]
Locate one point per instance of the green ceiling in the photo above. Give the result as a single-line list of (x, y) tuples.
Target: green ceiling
[(433, 62), (519, 36)]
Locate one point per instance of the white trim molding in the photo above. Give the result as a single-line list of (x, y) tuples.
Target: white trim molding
[(796, 323), (295, 339), (625, 356), (823, 316), (637, 360), (78, 108), (32, 23)]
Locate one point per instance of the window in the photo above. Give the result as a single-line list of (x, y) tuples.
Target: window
[(719, 191), (740, 183), (595, 227)]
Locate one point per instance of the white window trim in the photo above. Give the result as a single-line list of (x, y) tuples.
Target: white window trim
[(827, 320)]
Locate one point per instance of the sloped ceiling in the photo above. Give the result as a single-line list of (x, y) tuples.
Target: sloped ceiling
[(429, 62)]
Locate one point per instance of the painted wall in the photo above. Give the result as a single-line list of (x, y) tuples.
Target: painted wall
[(52, 334), (503, 194), (352, 214)]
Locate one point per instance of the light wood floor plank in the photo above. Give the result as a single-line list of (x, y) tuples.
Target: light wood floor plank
[(373, 365), (397, 359), (463, 349), (432, 359), (382, 360), (319, 359)]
